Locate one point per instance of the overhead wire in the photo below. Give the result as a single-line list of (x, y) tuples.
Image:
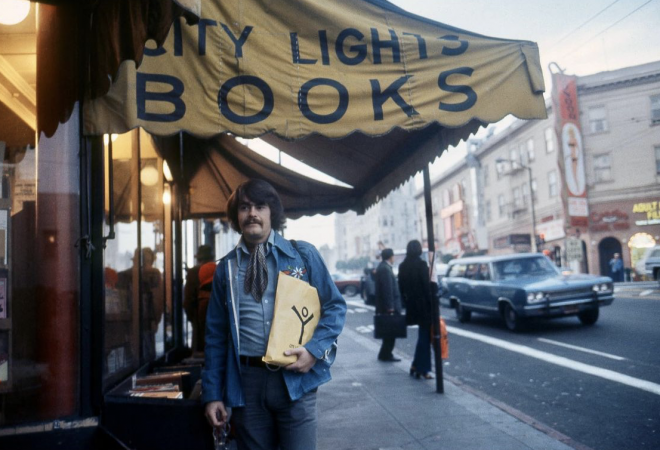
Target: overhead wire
[(586, 22), (606, 29)]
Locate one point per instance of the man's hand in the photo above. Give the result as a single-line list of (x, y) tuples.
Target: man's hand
[(216, 414), (305, 360)]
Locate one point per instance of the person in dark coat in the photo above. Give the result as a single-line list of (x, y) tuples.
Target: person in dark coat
[(415, 292), (191, 296), (388, 299)]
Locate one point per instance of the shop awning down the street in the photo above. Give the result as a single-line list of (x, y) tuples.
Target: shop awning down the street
[(361, 90)]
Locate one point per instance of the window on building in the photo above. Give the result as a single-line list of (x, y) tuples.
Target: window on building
[(485, 171), (499, 169), (446, 198), (517, 197), (525, 193), (463, 189), (657, 159), (514, 157), (456, 193), (597, 119), (549, 140), (531, 156), (655, 108), (534, 188), (602, 168), (488, 214), (553, 186), (448, 228), (501, 205), (522, 152)]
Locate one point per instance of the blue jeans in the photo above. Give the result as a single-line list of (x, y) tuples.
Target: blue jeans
[(270, 420), (422, 360)]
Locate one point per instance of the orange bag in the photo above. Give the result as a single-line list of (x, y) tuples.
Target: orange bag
[(444, 339)]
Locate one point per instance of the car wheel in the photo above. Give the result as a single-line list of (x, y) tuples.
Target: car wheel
[(462, 314), (350, 291), (512, 319), (589, 317)]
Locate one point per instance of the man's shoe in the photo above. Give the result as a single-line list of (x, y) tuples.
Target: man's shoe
[(390, 359)]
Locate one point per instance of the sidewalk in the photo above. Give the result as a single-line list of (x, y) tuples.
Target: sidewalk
[(375, 405)]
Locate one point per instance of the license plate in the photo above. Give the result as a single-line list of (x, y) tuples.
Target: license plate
[(571, 309)]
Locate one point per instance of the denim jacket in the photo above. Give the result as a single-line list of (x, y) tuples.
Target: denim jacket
[(221, 378)]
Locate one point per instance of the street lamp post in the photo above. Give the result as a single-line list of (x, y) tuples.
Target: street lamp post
[(531, 198)]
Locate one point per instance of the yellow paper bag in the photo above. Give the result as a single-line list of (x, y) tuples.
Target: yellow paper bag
[(297, 312)]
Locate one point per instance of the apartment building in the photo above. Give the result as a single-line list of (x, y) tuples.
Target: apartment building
[(391, 222), (512, 186)]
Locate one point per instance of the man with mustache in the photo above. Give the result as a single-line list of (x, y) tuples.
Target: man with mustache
[(272, 407)]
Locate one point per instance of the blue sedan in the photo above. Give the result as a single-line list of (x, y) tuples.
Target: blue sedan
[(522, 286)]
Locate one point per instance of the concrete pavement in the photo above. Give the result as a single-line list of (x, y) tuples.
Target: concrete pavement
[(374, 405)]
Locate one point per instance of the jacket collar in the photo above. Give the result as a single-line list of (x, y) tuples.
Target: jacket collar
[(284, 245)]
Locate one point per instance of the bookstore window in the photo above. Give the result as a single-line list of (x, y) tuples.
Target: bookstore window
[(134, 261), (39, 260), (657, 159)]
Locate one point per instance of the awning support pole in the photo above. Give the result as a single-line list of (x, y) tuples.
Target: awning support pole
[(177, 308), (439, 382)]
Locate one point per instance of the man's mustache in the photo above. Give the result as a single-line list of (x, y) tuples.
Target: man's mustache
[(251, 221)]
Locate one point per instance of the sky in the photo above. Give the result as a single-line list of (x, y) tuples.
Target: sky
[(582, 36)]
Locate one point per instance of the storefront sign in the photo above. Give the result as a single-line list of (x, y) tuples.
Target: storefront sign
[(573, 249), (251, 67), (451, 209), (551, 230), (571, 157), (648, 213), (609, 220), (512, 239)]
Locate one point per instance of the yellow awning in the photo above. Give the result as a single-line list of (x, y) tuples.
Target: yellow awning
[(301, 67)]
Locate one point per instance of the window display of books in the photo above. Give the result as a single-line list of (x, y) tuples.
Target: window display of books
[(171, 385)]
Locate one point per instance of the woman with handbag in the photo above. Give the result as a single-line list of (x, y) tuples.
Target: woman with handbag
[(415, 292)]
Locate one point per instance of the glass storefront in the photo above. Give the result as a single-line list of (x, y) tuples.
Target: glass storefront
[(39, 276), (137, 296)]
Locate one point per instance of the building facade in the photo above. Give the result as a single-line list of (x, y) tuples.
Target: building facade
[(390, 223), (509, 195)]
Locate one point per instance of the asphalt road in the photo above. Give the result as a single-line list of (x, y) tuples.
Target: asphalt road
[(598, 385)]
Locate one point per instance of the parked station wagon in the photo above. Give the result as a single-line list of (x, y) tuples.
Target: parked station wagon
[(522, 286)]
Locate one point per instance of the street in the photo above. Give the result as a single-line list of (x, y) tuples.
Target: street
[(598, 385)]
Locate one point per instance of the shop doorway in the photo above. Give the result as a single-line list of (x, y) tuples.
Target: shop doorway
[(606, 250), (585, 258)]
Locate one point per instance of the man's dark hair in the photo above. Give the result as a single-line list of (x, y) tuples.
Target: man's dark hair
[(386, 254), (259, 192), (414, 249)]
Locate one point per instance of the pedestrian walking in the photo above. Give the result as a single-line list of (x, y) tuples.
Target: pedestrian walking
[(272, 407), (415, 292), (616, 268), (388, 300)]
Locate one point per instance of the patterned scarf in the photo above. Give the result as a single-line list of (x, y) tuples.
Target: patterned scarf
[(256, 276)]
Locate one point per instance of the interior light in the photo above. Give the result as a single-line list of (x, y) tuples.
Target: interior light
[(167, 197), (13, 11), (149, 176), (167, 173)]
